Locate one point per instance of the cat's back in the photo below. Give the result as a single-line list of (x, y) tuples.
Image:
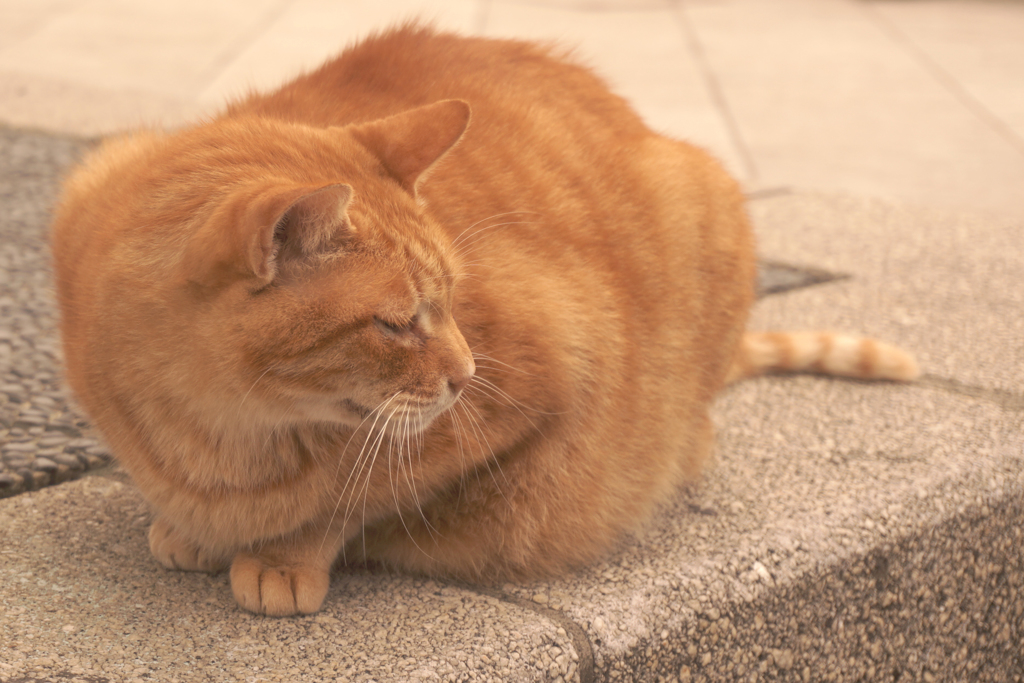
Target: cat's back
[(547, 138), (413, 65)]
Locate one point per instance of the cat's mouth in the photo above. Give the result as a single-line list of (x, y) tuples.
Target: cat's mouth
[(406, 418), (357, 408), (412, 419)]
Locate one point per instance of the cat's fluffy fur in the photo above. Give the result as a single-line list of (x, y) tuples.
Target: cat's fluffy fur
[(444, 301)]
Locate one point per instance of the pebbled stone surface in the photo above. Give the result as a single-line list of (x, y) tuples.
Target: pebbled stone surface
[(43, 439), (83, 600)]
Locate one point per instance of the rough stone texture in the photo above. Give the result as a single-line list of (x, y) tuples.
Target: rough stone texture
[(83, 600), (43, 439), (947, 285)]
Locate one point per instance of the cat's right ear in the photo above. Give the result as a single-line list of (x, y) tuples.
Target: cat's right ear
[(408, 144), (257, 227)]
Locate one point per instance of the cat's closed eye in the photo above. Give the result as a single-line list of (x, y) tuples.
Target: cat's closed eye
[(392, 328)]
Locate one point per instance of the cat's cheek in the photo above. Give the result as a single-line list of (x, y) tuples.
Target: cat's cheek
[(391, 369)]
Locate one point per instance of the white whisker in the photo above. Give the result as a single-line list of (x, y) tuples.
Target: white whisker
[(375, 413), (394, 488), (491, 359), (483, 439), (264, 374), (462, 235), (464, 249), (486, 383), (411, 478), (490, 393), (457, 430), (350, 508)]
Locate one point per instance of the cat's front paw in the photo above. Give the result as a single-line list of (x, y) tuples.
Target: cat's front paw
[(278, 591), (174, 551)]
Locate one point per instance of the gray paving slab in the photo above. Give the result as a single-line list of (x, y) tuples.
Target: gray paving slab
[(148, 46), (826, 98), (976, 46), (643, 51), (306, 33), (819, 543), (892, 99), (21, 17)]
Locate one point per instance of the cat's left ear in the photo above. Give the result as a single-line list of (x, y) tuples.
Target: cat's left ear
[(410, 143), (259, 226), (307, 219)]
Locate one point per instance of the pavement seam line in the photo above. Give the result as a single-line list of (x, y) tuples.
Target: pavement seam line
[(715, 90), (945, 79), (768, 193), (1001, 397), (580, 641)]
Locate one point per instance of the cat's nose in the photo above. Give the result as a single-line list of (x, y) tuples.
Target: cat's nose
[(460, 380)]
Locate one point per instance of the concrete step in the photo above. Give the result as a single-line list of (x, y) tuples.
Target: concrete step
[(848, 531)]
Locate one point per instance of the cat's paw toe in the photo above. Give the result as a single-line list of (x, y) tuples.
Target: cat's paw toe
[(277, 591), (174, 551)]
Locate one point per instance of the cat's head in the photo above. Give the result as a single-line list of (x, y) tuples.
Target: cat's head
[(266, 271)]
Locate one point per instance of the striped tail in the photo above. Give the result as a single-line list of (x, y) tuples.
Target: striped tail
[(824, 353)]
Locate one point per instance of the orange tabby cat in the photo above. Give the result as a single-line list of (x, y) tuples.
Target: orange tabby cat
[(445, 303)]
